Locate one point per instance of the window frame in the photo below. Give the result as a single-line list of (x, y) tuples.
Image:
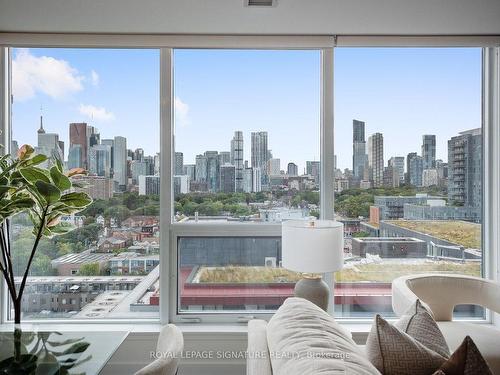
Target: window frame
[(166, 43)]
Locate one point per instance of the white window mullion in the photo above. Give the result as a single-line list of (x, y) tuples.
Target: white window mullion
[(5, 141), (327, 149), (166, 193), (491, 201)]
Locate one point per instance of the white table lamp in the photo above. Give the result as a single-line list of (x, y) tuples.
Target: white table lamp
[(313, 248)]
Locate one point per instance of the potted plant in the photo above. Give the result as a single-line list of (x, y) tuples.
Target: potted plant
[(46, 195)]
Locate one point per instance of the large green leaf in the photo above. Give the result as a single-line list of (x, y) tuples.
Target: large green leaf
[(74, 199), (49, 192), (59, 179), (35, 160), (34, 174)]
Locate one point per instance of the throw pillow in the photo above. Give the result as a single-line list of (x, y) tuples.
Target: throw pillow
[(466, 360), (419, 324), (394, 352)]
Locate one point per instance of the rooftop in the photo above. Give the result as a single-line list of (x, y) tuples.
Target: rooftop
[(459, 232), (82, 258)]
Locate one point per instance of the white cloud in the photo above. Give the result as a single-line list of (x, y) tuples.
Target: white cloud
[(96, 113), (44, 74), (181, 112), (94, 77)]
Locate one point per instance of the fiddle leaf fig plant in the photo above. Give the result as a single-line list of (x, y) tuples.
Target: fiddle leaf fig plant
[(46, 195)]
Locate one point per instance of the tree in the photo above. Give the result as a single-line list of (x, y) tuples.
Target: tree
[(89, 269)]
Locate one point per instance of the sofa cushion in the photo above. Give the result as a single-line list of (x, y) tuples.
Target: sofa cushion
[(486, 338), (466, 360), (303, 339), (419, 324), (394, 352)]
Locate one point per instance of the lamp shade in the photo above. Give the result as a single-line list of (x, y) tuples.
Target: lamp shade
[(312, 246)]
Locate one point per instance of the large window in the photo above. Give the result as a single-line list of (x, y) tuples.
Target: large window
[(247, 132), (409, 178), (246, 142), (98, 110)]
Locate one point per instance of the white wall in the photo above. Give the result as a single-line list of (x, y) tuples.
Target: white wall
[(396, 17)]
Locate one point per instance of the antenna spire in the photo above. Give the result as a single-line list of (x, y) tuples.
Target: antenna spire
[(41, 130)]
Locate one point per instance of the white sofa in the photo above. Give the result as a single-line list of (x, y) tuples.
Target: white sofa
[(302, 339), (441, 293)]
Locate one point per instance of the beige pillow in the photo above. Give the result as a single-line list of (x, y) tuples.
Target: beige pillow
[(394, 352), (466, 360), (419, 324)]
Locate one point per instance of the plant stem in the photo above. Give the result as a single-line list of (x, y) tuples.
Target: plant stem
[(7, 268), (32, 255)]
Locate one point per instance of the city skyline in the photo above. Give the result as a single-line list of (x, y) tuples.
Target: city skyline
[(391, 90)]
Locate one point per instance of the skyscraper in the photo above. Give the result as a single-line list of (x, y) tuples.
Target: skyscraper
[(251, 180), (201, 168), (138, 168), (227, 178), (178, 163), (259, 152), (120, 162), (149, 185), (292, 169), (376, 158), (313, 168), (111, 144), (359, 157), (398, 164), (274, 166), (78, 136), (75, 157), (429, 151), (465, 168), (237, 158), (415, 169), (212, 170), (48, 144), (100, 160)]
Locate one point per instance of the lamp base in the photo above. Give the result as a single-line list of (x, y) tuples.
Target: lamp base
[(314, 290)]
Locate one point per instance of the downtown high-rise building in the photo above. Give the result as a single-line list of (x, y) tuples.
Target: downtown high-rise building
[(313, 168), (201, 168), (111, 144), (120, 162), (252, 180), (259, 151), (465, 168), (274, 166), (190, 170), (415, 169), (178, 163), (376, 159), (359, 157), (100, 160), (227, 178), (138, 168), (78, 136), (429, 151), (237, 159), (398, 165), (224, 157), (49, 145), (213, 167), (75, 157), (149, 185), (292, 169)]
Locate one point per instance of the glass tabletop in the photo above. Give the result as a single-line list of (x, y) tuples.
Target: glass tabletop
[(57, 353)]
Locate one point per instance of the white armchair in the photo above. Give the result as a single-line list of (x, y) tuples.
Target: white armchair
[(441, 293), (169, 350)]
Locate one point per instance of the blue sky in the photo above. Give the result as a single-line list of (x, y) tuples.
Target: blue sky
[(402, 93)]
